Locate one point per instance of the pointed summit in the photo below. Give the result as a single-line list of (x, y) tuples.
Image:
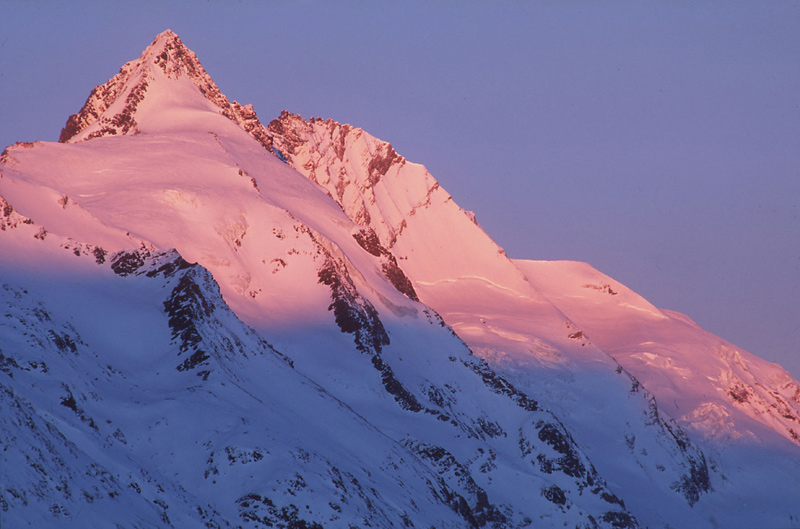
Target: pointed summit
[(168, 68)]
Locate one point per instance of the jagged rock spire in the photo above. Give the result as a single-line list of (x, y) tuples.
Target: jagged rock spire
[(111, 107)]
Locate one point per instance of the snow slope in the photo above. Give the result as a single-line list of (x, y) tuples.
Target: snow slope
[(212, 321), (573, 341), (365, 410)]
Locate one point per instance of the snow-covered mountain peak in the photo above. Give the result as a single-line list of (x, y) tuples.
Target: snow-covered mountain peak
[(363, 353), (166, 88), (173, 55)]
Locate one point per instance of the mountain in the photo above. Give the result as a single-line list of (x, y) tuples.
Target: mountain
[(591, 342), (212, 321)]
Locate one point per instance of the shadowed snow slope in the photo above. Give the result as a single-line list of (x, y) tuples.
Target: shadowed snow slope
[(212, 322), (661, 406)]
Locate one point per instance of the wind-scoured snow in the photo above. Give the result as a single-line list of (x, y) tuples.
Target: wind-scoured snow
[(209, 321)]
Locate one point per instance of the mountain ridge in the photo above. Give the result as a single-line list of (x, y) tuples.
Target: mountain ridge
[(369, 286), (366, 182)]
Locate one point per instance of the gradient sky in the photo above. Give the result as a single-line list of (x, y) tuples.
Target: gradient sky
[(658, 141)]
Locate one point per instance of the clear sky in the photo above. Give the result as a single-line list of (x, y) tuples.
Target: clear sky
[(658, 141)]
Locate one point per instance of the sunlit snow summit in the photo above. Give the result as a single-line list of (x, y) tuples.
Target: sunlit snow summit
[(210, 321)]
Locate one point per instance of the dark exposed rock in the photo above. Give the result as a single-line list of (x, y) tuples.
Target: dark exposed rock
[(457, 488), (263, 512), (381, 161), (70, 402), (8, 363), (190, 308), (9, 218), (100, 99), (739, 393), (696, 479), (605, 287), (356, 315), (290, 138), (499, 385), (185, 307), (555, 494), (99, 255), (620, 520), (398, 279), (404, 398), (133, 262), (198, 357), (169, 268), (353, 313), (551, 435), (123, 121), (612, 498), (491, 428), (696, 482), (63, 342), (72, 127), (126, 263), (577, 335), (368, 239), (570, 462)]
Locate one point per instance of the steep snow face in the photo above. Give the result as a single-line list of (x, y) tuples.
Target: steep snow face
[(527, 324), (174, 414), (369, 411), (472, 433), (407, 209), (709, 384), (165, 192), (456, 447), (743, 409)]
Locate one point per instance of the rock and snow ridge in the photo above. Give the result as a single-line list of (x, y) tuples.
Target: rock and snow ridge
[(362, 352), (509, 312), (381, 190), (112, 107)]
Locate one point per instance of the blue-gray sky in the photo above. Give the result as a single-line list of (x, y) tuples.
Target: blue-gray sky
[(658, 141)]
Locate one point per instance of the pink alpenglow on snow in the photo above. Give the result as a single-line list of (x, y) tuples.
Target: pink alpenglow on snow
[(212, 321)]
